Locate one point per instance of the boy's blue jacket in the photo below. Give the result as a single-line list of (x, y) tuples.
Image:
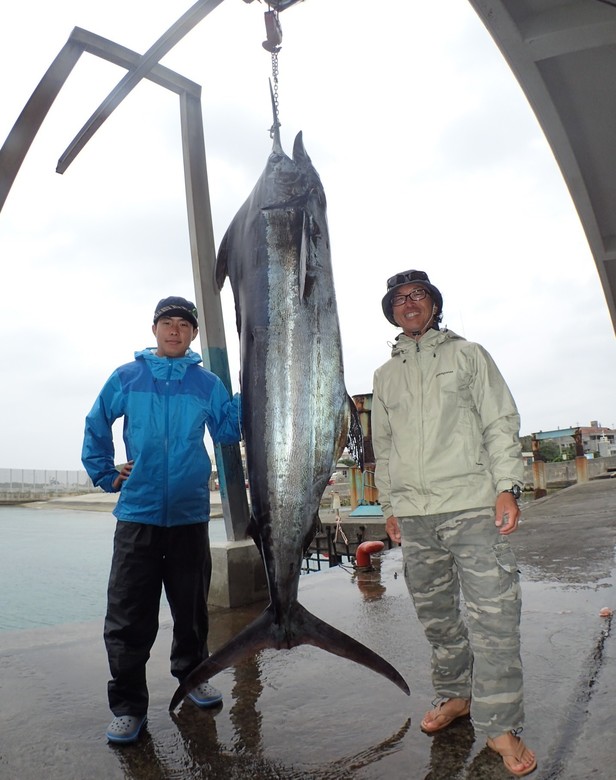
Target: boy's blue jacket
[(166, 404)]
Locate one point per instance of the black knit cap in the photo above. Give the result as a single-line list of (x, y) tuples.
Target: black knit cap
[(177, 307), (410, 277)]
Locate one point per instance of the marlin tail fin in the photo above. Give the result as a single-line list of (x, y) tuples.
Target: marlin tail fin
[(300, 628)]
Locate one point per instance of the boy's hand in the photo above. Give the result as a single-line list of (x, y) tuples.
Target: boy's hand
[(123, 475)]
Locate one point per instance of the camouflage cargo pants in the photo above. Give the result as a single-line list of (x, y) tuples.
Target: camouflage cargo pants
[(476, 644)]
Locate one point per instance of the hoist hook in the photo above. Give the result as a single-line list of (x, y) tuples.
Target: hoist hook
[(279, 5), (273, 30)]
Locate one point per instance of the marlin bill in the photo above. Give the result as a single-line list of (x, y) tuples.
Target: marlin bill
[(297, 414)]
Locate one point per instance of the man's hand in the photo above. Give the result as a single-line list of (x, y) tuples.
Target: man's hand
[(507, 513), (393, 529), (123, 475)]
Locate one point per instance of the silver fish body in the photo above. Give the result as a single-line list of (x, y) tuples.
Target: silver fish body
[(296, 410)]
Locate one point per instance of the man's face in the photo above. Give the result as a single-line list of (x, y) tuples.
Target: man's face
[(173, 336), (412, 316)]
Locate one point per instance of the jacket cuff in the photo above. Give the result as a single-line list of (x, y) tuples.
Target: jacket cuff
[(387, 510), (504, 485), (107, 483)]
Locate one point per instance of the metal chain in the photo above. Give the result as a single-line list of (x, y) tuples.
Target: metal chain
[(272, 44), (275, 80)]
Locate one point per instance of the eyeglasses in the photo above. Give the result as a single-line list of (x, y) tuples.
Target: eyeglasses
[(415, 295), (407, 277)]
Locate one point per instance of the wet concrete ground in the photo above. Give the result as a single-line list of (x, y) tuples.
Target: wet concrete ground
[(305, 714)]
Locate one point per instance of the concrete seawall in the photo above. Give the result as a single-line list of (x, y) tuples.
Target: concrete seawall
[(562, 474)]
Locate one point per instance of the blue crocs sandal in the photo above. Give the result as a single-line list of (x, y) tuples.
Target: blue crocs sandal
[(125, 729), (205, 695)]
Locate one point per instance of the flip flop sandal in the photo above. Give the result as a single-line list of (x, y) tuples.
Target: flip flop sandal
[(514, 758), (444, 720), (124, 729)]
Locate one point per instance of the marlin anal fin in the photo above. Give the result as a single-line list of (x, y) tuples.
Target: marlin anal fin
[(300, 628), (355, 437)]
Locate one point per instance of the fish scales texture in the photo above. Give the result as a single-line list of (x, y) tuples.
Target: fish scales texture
[(297, 413), (304, 409)]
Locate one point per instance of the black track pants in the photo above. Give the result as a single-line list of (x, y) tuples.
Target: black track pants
[(146, 558)]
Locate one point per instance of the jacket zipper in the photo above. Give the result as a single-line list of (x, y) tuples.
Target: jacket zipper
[(421, 458), (166, 448)]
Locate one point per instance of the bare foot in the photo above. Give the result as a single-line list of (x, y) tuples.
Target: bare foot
[(444, 714), (517, 758)]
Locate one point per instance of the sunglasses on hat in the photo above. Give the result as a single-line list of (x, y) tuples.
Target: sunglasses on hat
[(406, 278)]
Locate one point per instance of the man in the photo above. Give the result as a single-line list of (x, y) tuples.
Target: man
[(449, 470), (161, 537)]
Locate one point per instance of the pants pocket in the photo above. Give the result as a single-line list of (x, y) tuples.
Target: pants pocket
[(505, 557)]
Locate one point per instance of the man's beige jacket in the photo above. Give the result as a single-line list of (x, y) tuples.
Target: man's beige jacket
[(445, 427)]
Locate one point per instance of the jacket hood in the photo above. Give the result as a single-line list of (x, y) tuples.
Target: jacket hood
[(168, 368), (429, 340), (150, 354)]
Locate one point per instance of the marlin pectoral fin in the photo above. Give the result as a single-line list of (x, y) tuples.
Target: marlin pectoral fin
[(308, 266), (304, 248)]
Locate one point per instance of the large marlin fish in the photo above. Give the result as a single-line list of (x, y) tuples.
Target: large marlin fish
[(297, 413)]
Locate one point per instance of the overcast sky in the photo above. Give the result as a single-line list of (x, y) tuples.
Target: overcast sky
[(429, 154)]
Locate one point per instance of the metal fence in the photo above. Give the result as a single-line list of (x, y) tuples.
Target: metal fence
[(43, 481)]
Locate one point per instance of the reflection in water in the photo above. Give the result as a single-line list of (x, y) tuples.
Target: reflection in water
[(198, 754), (347, 767), (244, 714), (487, 765), (140, 761), (369, 582), (451, 749), (210, 759)]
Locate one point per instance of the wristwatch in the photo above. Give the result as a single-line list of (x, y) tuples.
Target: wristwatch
[(515, 491)]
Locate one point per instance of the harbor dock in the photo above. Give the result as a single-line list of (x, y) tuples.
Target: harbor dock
[(307, 714)]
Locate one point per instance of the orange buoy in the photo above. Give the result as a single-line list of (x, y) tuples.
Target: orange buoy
[(362, 557)]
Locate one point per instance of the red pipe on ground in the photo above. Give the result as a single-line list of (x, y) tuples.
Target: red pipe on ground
[(362, 556)]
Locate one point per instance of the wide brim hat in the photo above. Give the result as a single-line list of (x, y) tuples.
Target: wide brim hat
[(409, 277)]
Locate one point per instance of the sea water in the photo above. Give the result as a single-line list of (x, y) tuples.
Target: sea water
[(54, 565)]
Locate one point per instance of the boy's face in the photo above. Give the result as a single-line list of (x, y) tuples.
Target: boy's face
[(173, 336)]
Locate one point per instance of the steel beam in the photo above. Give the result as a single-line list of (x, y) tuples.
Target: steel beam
[(23, 132), (214, 347), (156, 52)]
